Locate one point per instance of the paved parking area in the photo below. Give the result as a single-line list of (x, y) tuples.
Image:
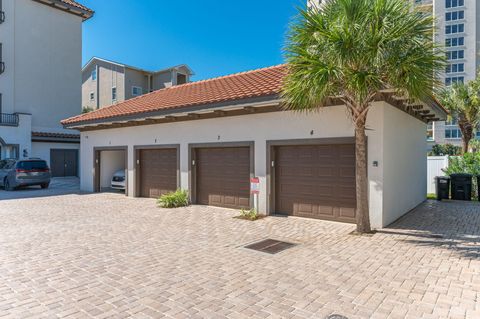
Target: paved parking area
[(58, 186), (108, 256)]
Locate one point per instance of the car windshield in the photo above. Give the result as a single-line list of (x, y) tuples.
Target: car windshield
[(31, 165)]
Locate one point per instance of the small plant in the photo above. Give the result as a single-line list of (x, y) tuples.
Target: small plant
[(175, 199), (87, 109), (250, 214)]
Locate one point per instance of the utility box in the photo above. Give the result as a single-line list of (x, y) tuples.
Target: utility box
[(442, 187), (461, 186)]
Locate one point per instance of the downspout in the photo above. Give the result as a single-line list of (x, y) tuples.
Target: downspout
[(97, 95)]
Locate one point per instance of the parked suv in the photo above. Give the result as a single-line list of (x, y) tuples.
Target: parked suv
[(18, 173)]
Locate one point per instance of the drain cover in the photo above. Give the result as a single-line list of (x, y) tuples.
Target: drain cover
[(270, 246), (336, 317)]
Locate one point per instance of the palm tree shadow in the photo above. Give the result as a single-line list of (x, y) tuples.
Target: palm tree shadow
[(450, 225)]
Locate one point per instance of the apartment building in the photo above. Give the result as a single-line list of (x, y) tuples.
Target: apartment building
[(40, 80), (106, 82), (457, 30)]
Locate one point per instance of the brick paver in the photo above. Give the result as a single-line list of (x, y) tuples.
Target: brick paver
[(108, 256)]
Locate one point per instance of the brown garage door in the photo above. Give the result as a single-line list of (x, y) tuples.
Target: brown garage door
[(158, 172), (316, 181), (223, 177)]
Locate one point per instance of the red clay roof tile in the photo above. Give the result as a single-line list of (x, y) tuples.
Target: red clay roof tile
[(55, 135), (76, 4), (257, 83)]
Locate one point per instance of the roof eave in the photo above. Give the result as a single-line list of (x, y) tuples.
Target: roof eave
[(195, 109), (85, 14)]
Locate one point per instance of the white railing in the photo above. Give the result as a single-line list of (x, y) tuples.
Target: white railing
[(435, 166)]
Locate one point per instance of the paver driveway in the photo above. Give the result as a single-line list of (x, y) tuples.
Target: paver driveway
[(104, 255)]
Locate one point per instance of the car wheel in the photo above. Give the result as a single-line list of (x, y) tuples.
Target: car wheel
[(7, 186), (45, 185)]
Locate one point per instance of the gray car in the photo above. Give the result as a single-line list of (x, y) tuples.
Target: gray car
[(19, 173)]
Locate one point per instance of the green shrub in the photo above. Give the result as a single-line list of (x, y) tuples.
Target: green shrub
[(250, 214), (443, 150), (468, 163), (174, 199)]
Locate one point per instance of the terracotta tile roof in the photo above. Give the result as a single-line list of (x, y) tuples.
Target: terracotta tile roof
[(76, 4), (55, 135), (70, 6), (251, 84)]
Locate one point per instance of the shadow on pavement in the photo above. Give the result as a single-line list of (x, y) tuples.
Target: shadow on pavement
[(453, 225)]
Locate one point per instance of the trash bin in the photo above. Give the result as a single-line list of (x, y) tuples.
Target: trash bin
[(442, 187), (461, 186), (478, 186)]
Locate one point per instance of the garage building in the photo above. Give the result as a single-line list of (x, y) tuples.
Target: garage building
[(210, 137)]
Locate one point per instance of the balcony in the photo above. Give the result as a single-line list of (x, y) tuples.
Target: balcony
[(2, 13), (9, 119)]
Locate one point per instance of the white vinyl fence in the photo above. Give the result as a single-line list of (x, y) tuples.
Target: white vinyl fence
[(434, 168)]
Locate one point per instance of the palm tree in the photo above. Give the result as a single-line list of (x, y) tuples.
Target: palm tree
[(352, 50), (463, 102)]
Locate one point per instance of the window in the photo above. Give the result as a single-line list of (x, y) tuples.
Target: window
[(453, 133), (455, 42), (92, 96), (430, 132), (455, 15), (455, 28), (456, 67), (114, 93), (455, 55), (94, 74), (454, 3), (478, 135), (32, 165), (136, 91), (454, 79)]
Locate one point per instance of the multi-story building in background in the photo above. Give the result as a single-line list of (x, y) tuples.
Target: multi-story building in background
[(106, 82), (458, 31), (40, 80)]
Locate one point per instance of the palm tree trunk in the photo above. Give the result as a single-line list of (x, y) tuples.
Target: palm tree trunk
[(361, 177), (465, 143), (467, 134)]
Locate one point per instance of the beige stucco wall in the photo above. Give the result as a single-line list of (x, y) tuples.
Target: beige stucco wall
[(21, 135), (88, 86), (162, 80), (108, 76), (46, 63), (405, 164), (135, 78), (329, 122)]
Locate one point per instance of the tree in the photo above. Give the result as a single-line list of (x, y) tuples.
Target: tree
[(463, 102), (352, 50)]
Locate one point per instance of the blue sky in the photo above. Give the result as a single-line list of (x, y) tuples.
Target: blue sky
[(214, 37)]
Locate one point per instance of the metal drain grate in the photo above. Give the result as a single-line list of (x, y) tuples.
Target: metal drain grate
[(270, 246)]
